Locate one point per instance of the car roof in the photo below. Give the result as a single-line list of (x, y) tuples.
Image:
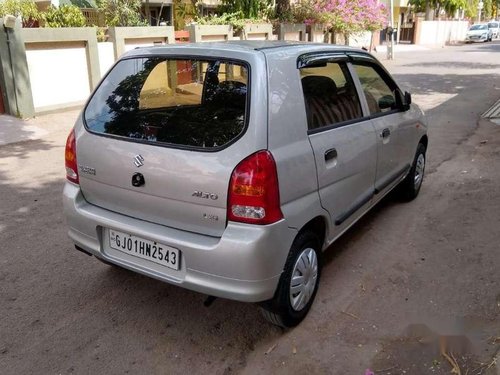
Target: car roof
[(248, 46)]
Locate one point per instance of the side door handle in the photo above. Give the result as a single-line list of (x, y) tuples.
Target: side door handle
[(330, 154), (385, 133)]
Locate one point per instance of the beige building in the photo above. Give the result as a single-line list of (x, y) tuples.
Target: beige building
[(401, 10)]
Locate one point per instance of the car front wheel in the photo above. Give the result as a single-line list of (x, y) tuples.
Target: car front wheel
[(298, 283), (410, 186)]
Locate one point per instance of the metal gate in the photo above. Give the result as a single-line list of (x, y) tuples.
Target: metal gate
[(407, 32)]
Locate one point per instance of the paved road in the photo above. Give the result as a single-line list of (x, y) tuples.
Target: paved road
[(405, 279)]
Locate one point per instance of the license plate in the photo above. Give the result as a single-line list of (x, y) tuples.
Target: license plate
[(145, 249)]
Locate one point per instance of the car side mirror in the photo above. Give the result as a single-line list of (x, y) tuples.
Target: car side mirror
[(407, 99), (402, 101)]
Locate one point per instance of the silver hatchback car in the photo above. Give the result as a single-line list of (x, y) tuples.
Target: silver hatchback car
[(227, 168)]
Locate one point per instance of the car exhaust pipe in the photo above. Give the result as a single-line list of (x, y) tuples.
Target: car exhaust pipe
[(208, 302)]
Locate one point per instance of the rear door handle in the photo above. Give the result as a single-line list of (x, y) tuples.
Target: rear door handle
[(330, 154), (385, 133)]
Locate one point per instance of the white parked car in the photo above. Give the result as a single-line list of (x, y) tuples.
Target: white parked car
[(479, 33), (494, 26)]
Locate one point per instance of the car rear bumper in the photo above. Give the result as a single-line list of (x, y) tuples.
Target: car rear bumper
[(244, 264)]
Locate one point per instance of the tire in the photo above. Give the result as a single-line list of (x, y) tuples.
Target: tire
[(410, 186), (287, 309)]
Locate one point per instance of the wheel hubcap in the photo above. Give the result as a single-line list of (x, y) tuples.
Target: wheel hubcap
[(419, 171), (304, 277)]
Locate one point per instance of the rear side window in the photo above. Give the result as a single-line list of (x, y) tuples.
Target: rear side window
[(193, 103), (329, 94)]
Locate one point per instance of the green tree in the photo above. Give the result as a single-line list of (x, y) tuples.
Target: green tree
[(248, 8), (64, 16), (122, 12), (449, 6), (26, 9), (283, 9), (487, 12), (184, 12)]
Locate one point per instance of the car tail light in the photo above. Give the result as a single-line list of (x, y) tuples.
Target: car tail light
[(70, 158), (254, 191)]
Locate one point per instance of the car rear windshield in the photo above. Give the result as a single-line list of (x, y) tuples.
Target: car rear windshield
[(180, 102)]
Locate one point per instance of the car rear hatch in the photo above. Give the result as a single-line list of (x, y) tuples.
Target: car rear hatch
[(163, 135)]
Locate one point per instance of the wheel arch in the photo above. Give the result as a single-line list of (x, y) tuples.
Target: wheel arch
[(424, 140), (318, 226)]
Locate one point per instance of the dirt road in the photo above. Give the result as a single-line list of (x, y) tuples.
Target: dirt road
[(408, 283)]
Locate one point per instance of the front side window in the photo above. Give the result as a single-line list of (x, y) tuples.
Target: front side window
[(329, 94), (378, 88), (183, 102), (479, 27)]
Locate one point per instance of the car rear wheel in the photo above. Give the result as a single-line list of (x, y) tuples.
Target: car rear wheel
[(410, 186), (298, 283)]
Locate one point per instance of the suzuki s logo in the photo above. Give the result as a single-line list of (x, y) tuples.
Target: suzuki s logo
[(139, 161)]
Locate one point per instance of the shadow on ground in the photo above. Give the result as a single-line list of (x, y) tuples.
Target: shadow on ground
[(64, 312)]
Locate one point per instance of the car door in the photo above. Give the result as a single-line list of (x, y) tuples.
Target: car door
[(342, 138), (393, 127)]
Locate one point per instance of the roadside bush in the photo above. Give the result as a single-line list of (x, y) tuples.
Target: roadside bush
[(64, 16), (247, 9), (26, 9), (236, 20), (101, 34), (122, 12)]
